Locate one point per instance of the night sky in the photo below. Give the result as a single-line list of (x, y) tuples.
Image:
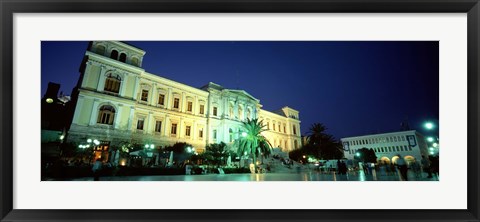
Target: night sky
[(354, 88)]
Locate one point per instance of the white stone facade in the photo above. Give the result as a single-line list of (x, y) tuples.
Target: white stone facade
[(118, 101), (411, 145)]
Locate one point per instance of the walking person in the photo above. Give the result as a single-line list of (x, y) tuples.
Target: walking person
[(402, 167), (97, 166)]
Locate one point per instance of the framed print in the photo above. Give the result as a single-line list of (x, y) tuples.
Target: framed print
[(254, 111)]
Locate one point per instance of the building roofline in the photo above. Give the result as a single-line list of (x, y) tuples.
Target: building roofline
[(379, 134)]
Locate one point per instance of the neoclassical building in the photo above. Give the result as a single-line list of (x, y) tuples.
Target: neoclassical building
[(117, 101)]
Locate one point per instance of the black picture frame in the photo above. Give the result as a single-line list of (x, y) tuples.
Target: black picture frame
[(9, 7)]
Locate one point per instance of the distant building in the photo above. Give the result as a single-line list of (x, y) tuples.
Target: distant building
[(411, 145), (54, 120), (118, 101)]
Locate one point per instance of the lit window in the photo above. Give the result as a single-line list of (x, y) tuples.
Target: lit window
[(176, 103), (161, 99), (158, 126), (173, 130), (144, 95), (106, 115), (112, 84), (140, 124), (202, 108), (187, 130), (189, 106)]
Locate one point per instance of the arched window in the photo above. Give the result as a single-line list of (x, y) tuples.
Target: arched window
[(114, 54), (248, 114), (106, 114), (123, 57), (230, 111), (112, 84), (240, 113), (100, 50), (135, 61)]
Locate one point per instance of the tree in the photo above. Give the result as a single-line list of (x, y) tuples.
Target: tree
[(366, 155), (252, 142), (216, 153), (322, 145)]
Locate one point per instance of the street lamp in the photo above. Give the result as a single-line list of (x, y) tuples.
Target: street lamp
[(429, 125), (435, 144), (430, 139)]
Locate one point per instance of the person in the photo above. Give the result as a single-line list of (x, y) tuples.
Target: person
[(402, 167), (426, 166), (97, 166)]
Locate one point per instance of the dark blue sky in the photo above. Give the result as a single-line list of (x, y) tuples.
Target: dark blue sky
[(354, 88)]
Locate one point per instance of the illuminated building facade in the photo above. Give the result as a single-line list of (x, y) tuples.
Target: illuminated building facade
[(118, 101), (411, 145)]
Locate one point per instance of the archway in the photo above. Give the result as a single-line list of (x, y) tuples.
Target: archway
[(409, 159), (394, 159), (385, 160)]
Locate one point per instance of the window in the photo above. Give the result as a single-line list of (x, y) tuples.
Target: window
[(202, 108), (112, 84), (173, 130), (158, 126), (230, 111), (230, 135), (295, 132), (395, 138), (274, 126), (135, 61), (189, 106), (268, 126), (161, 99), (215, 111), (295, 144), (248, 114), (200, 133), (144, 95), (140, 124), (106, 115), (410, 148), (279, 129), (214, 134), (100, 50), (284, 129), (187, 130), (240, 113), (176, 103), (114, 54), (123, 57)]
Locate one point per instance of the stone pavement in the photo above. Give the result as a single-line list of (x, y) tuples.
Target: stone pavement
[(301, 176)]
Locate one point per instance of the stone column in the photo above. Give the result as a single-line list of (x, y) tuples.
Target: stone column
[(101, 79), (78, 109), (147, 123), (169, 99), (123, 85), (130, 119), (153, 93), (116, 121), (135, 89), (86, 74), (94, 113), (183, 103)]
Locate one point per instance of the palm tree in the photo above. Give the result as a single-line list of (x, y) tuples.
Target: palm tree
[(252, 141), (324, 145)]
